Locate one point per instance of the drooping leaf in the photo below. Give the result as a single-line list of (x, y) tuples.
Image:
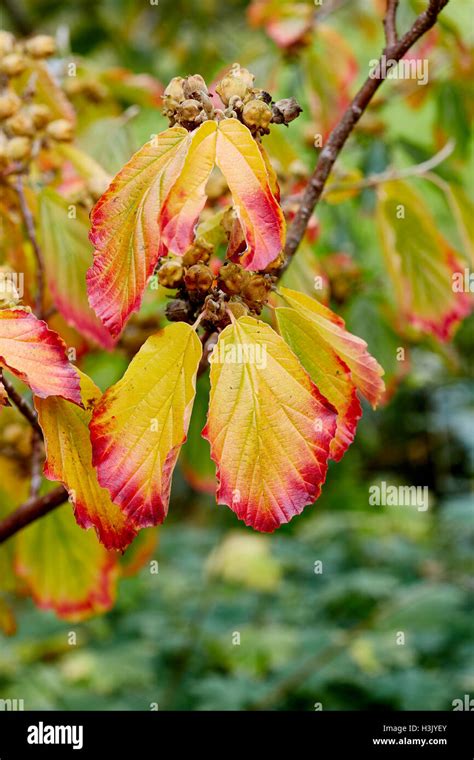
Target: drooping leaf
[(37, 356), (69, 460), (140, 423), (125, 230), (186, 199), (65, 568), (260, 215), (67, 255), (269, 427), (366, 373), (329, 373), (420, 263)]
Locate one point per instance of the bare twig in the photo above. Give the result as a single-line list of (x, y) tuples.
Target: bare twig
[(390, 22), (351, 116), (30, 228), (31, 510), (21, 404)]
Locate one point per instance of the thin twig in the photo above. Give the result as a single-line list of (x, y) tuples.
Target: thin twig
[(390, 23), (21, 404), (31, 510), (351, 116), (30, 228)]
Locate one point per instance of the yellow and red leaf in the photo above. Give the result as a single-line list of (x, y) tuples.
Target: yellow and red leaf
[(37, 356), (140, 423), (69, 460), (269, 428), (366, 372)]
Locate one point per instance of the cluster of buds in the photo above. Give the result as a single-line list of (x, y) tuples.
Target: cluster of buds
[(187, 101), (25, 124)]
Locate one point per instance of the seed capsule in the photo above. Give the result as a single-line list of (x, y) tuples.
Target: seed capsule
[(193, 86), (170, 274), (199, 278), (40, 115), (257, 114), (18, 148), (60, 130), (21, 124), (286, 110), (9, 104), (41, 46), (189, 110), (177, 310), (175, 89), (237, 83), (199, 251), (232, 278), (256, 290), (12, 65)]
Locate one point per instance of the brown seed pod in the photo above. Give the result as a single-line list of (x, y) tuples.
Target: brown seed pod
[(193, 85), (236, 83), (40, 46), (18, 148), (60, 130), (175, 90), (199, 278), (199, 251), (285, 111), (232, 278), (189, 110), (21, 124), (170, 274), (9, 104), (12, 65), (257, 114), (256, 290), (178, 310)]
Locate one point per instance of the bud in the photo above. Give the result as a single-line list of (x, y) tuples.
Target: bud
[(7, 43), (175, 89), (170, 274), (232, 278), (40, 115), (199, 278), (177, 310), (21, 124), (237, 82), (256, 290), (12, 65), (257, 114), (286, 110), (193, 86), (9, 104), (41, 46), (60, 130), (199, 251), (189, 110), (18, 148)]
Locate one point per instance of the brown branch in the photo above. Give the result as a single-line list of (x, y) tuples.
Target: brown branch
[(21, 404), (390, 22), (30, 228), (31, 510), (351, 116)]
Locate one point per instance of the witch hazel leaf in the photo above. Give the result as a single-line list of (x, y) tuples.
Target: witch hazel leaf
[(65, 568), (125, 230), (140, 423), (186, 199), (37, 356), (245, 170), (69, 460), (269, 427), (329, 373), (67, 255), (420, 263), (366, 372)]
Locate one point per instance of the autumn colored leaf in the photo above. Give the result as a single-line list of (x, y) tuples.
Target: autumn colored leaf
[(420, 262), (185, 201), (37, 356), (140, 423), (69, 460), (67, 255), (366, 373), (269, 427), (65, 568), (260, 215), (329, 373), (125, 230)]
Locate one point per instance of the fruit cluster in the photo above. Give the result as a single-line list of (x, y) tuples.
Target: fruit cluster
[(187, 101), (26, 125)]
